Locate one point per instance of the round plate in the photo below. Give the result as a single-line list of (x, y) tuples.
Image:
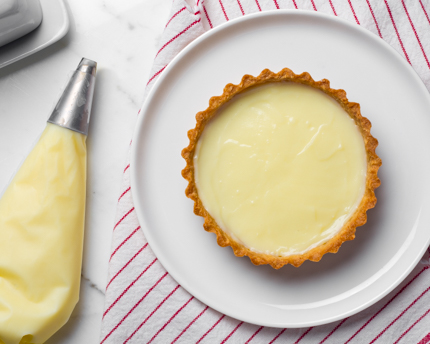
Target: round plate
[(385, 250)]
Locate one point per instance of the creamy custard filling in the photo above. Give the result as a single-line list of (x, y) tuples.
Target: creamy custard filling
[(281, 168)]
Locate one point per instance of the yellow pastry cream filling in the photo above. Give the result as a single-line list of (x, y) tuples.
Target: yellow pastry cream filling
[(281, 168)]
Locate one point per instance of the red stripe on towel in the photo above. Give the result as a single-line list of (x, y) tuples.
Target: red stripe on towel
[(385, 306), (189, 325), (171, 318), (152, 313), (125, 240), (213, 326), (425, 340), (183, 8), (223, 10), (255, 333), (415, 32), (207, 16), (241, 9), (122, 218), (410, 327), (353, 12), (397, 32), (425, 12), (258, 5), (400, 315), (232, 332), (278, 335), (374, 18), (132, 309), (333, 331), (332, 7), (303, 335), (126, 264), (127, 190), (155, 75), (178, 35), (128, 287)]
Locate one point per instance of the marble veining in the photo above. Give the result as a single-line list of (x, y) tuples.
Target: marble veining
[(123, 38), (92, 285)]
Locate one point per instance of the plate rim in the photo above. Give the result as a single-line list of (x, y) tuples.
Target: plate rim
[(134, 158), (54, 37)]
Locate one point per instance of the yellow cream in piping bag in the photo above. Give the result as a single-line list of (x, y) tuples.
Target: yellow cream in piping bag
[(41, 231), (41, 224)]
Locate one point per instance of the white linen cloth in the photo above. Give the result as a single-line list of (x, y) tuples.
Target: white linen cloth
[(145, 305)]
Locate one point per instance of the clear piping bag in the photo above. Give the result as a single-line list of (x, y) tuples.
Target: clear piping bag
[(42, 222)]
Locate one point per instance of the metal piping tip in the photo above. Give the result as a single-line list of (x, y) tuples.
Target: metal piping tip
[(87, 66), (74, 107)]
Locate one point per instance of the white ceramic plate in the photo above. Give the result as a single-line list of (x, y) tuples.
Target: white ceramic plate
[(54, 26), (385, 250)]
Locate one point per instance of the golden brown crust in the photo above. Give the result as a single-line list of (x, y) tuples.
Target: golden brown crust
[(359, 218)]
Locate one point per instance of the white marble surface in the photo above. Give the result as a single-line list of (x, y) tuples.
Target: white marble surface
[(122, 36)]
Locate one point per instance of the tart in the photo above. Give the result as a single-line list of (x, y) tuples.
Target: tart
[(282, 168)]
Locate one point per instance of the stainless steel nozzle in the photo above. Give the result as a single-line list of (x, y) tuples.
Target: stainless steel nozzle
[(74, 107)]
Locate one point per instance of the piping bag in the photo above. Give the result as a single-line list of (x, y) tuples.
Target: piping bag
[(42, 221)]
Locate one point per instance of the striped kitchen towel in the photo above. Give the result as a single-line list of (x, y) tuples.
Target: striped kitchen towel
[(144, 304)]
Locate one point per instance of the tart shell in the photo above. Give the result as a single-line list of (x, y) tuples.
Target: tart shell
[(358, 218)]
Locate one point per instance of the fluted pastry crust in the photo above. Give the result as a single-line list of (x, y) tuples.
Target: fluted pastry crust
[(358, 218)]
